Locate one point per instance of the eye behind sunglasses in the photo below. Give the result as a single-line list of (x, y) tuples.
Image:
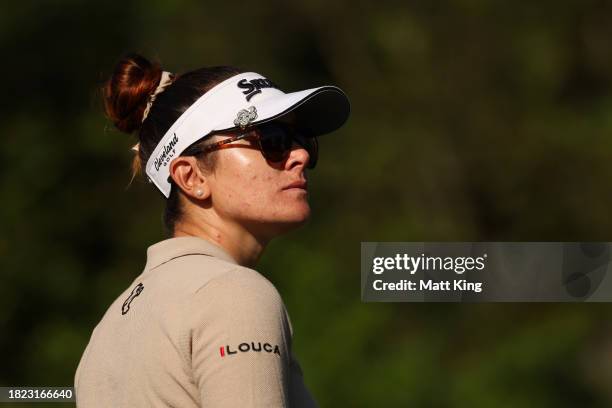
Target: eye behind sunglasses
[(276, 141)]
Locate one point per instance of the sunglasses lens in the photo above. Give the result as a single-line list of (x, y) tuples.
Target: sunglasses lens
[(276, 141)]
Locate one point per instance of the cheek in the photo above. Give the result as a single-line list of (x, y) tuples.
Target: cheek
[(251, 192), (243, 185), (257, 191)]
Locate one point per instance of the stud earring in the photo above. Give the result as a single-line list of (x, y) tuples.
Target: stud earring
[(199, 192)]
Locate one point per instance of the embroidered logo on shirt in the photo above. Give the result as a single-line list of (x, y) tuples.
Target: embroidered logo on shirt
[(246, 347), (135, 292)]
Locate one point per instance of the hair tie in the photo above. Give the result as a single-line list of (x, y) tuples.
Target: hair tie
[(165, 80)]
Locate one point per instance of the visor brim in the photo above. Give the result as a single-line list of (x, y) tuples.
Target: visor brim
[(319, 110)]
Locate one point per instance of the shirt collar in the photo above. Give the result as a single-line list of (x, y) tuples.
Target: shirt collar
[(171, 248)]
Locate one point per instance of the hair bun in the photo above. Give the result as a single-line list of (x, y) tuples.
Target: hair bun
[(127, 91)]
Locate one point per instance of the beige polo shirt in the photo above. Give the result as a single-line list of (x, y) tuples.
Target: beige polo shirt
[(195, 329)]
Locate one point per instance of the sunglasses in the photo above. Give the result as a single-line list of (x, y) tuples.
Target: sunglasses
[(275, 141)]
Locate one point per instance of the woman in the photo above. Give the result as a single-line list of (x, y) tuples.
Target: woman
[(199, 327)]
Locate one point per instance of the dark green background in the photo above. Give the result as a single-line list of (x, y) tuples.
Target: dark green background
[(471, 120)]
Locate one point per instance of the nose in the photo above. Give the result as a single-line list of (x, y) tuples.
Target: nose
[(298, 156)]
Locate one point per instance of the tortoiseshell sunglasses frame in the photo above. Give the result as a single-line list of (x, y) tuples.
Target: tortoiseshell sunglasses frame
[(249, 133)]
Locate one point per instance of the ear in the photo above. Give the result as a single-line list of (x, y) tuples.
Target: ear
[(187, 175)]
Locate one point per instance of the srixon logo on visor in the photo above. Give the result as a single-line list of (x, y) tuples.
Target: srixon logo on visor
[(253, 87), (252, 346)]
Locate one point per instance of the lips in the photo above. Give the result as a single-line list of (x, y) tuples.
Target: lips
[(297, 184)]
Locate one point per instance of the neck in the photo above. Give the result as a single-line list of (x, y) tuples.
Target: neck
[(238, 242)]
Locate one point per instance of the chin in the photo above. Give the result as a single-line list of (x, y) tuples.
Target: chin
[(292, 220), (302, 212), (278, 224), (297, 217)]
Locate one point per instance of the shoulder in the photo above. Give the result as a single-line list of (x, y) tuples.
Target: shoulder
[(240, 305), (239, 284), (186, 274), (240, 297)]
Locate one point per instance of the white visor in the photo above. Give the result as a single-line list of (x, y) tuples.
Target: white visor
[(240, 101)]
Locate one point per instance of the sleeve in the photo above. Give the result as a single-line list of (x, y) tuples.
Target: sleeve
[(298, 393), (241, 342)]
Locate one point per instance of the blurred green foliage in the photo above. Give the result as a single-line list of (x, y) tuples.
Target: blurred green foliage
[(471, 120)]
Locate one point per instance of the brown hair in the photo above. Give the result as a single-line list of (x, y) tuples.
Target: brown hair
[(125, 96)]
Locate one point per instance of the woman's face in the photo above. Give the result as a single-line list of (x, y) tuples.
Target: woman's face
[(267, 198)]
